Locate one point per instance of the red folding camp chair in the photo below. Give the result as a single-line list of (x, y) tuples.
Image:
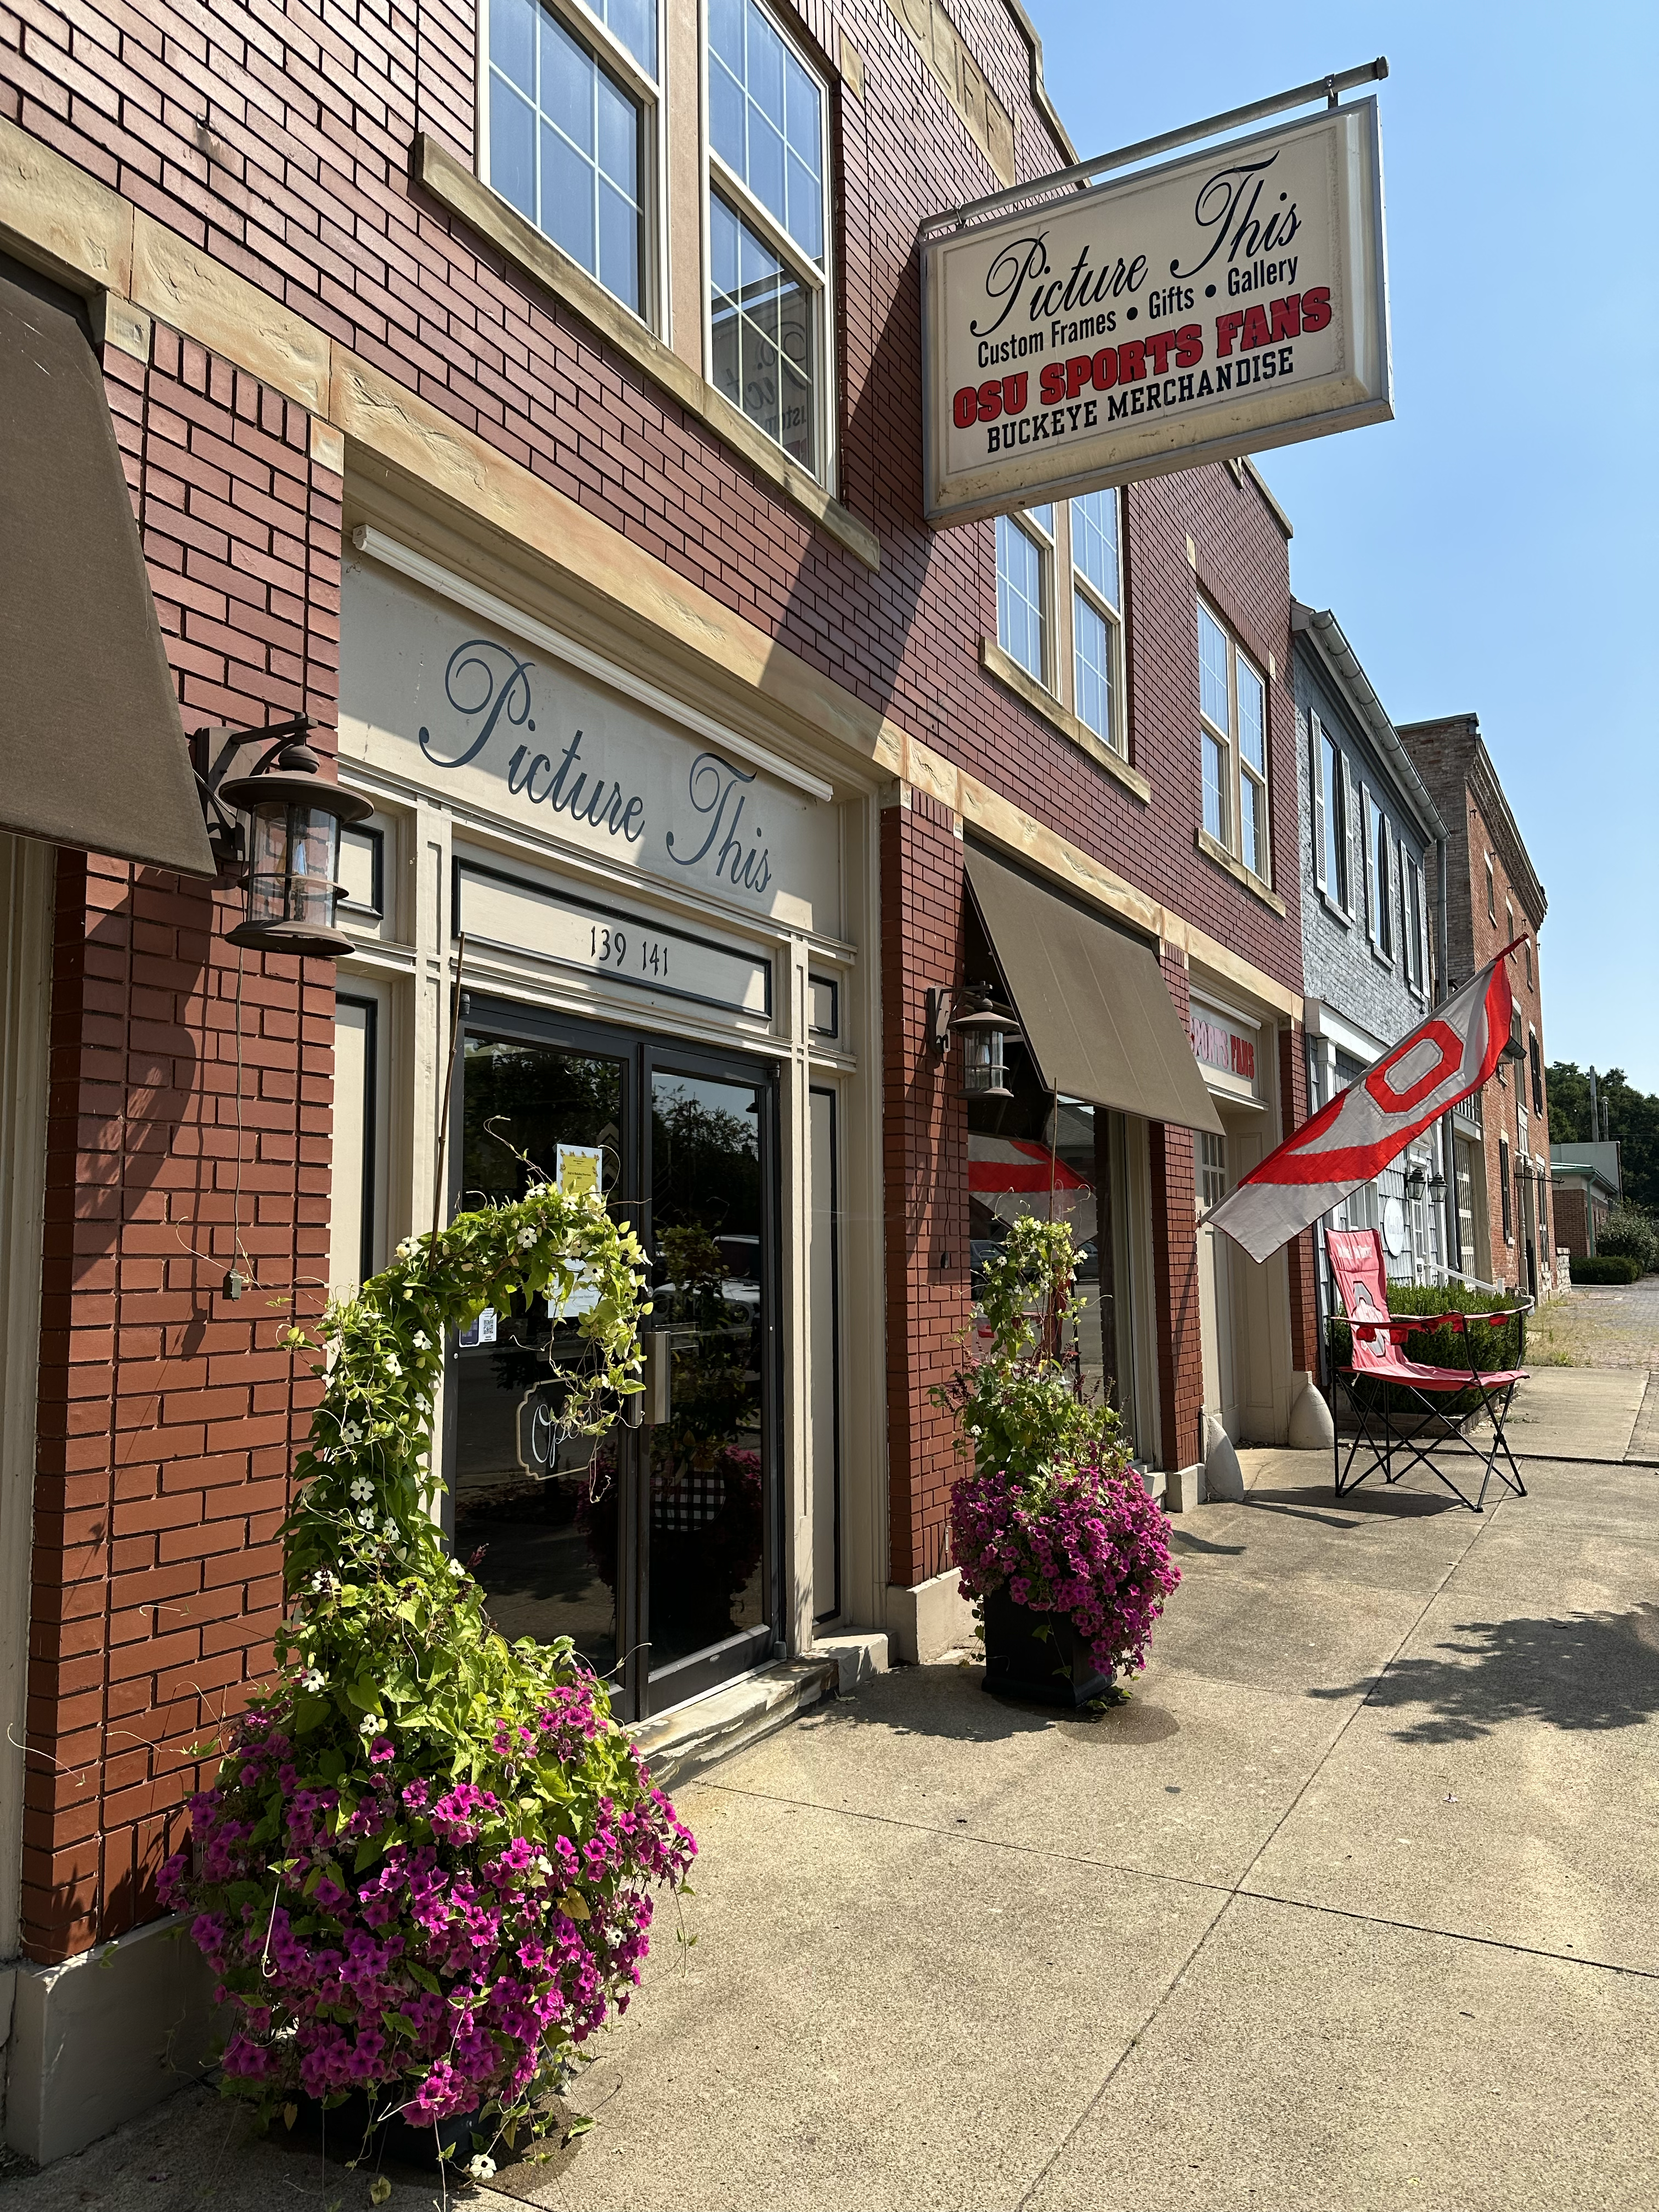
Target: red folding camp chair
[(1356, 1257)]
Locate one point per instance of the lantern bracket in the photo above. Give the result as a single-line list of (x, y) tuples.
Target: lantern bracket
[(217, 756)]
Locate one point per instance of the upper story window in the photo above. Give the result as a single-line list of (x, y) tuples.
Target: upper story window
[(1025, 547), (1097, 615), (1492, 891), (1413, 924), (1509, 922), (1233, 701), (768, 229), (1330, 823), (570, 123), (1528, 948), (1536, 1063), (1380, 905)]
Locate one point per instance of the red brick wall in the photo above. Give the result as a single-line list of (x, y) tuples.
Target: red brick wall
[(925, 1178), (179, 1070)]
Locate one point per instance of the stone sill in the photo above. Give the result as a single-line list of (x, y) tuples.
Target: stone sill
[(679, 1744), (456, 188), (1026, 689), (1224, 859)]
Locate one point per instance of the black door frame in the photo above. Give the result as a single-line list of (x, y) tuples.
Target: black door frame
[(635, 1693)]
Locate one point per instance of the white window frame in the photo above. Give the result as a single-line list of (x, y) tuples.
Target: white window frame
[(1231, 742), (1381, 916), (1416, 943), (1117, 737), (651, 97), (1316, 786), (820, 281), (1491, 891)]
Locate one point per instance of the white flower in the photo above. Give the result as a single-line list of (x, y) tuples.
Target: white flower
[(322, 1582), (406, 1248), (371, 1724), (366, 1517), (361, 1488), (394, 1365), (350, 1433), (526, 1238), (389, 1530), (315, 1679), (482, 2168), (544, 1865), (422, 1342)]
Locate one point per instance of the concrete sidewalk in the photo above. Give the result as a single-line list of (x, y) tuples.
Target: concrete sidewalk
[(1354, 1903)]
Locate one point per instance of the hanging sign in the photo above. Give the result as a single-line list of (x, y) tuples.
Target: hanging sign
[(1218, 305)]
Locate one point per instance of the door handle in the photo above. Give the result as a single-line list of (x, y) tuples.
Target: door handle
[(656, 1401)]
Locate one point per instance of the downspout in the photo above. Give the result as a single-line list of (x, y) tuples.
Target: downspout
[(1451, 1227)]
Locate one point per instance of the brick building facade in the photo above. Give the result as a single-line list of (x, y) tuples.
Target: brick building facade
[(1493, 896), (374, 420)]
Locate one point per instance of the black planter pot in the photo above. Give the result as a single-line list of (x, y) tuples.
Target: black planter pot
[(343, 2132), (1037, 1658)]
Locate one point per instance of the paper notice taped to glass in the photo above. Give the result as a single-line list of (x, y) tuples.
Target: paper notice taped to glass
[(482, 1331), (577, 1170)]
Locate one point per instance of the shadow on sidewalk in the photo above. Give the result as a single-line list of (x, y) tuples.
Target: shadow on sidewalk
[(948, 1701), (1591, 1671)]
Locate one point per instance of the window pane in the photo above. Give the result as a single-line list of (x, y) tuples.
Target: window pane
[(1253, 824), (567, 198), (619, 243), (1019, 597), (1252, 717), (1212, 671), (568, 75), (766, 118), (726, 112), (1044, 519), (1095, 544), (1096, 675), (765, 348), (512, 43), (726, 33), (1336, 827), (1215, 800), (634, 22), (619, 136), (512, 147)]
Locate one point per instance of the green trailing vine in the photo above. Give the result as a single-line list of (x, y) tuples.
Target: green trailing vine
[(422, 1871)]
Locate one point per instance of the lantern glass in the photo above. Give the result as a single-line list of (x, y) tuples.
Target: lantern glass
[(293, 865), (982, 1062)]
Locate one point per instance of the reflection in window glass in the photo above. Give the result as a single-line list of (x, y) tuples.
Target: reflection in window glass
[(1020, 625), (1336, 825), (1212, 672), (766, 119), (761, 327), (1095, 544), (1095, 681), (543, 1512), (633, 23), (564, 144), (1215, 789), (708, 1461)]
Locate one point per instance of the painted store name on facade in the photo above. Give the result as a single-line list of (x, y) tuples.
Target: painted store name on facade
[(486, 684), (1216, 1045)]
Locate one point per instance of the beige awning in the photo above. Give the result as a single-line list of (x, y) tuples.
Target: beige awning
[(92, 752), (1098, 1019)]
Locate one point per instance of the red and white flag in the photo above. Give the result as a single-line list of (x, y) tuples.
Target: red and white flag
[(1353, 1138)]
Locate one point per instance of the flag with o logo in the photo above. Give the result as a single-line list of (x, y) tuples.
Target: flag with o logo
[(1352, 1139)]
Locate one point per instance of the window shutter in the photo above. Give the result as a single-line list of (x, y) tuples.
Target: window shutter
[(1316, 759), (1347, 839)]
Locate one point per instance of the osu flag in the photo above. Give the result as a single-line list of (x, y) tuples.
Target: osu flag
[(1364, 1127)]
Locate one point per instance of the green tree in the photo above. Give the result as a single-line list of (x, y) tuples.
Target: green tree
[(1632, 1119)]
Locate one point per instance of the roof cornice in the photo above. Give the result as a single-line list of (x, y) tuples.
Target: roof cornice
[(1040, 98), (1342, 666)]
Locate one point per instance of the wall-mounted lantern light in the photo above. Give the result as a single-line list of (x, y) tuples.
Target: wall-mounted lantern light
[(1417, 1181), (1437, 1186), (288, 855), (987, 1029)]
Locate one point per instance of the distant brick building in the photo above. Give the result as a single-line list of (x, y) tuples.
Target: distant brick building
[(462, 433), (1493, 896)]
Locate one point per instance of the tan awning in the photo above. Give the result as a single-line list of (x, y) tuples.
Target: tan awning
[(1097, 1017), (92, 752)]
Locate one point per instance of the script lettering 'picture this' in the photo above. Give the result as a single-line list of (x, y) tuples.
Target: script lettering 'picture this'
[(1218, 305)]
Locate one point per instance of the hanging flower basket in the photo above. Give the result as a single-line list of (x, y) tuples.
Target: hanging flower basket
[(424, 1874)]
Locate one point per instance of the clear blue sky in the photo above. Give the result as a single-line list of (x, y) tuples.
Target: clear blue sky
[(1492, 548)]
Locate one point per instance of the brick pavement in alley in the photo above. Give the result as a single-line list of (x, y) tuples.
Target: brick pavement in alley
[(1354, 1903)]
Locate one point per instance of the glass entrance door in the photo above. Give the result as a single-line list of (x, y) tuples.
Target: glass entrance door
[(655, 1550)]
